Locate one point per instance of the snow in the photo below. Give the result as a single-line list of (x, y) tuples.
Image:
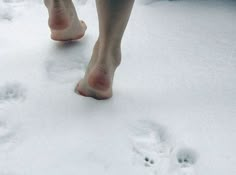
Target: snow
[(174, 104)]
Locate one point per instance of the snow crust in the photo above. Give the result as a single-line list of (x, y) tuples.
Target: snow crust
[(174, 105)]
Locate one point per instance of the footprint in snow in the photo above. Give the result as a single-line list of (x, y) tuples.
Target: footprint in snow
[(66, 63), (8, 8), (9, 93), (12, 92), (184, 162), (5, 12), (8, 136), (186, 157), (153, 149), (151, 146)]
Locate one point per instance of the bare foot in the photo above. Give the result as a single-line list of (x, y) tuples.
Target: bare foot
[(98, 79), (63, 20)]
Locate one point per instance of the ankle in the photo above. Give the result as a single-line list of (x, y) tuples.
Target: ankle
[(109, 42), (109, 53)]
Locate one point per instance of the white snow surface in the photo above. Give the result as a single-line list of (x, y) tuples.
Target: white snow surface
[(174, 106)]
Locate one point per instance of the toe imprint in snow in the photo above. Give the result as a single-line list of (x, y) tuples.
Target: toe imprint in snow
[(12, 91), (65, 66), (151, 146), (186, 157), (184, 162)]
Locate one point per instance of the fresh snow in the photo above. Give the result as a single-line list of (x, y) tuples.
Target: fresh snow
[(174, 106)]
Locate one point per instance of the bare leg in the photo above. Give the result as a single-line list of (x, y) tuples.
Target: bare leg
[(113, 17), (63, 20)]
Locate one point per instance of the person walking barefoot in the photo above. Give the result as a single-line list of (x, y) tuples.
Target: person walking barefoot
[(113, 16)]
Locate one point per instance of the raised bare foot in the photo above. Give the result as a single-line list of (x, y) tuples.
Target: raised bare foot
[(63, 20), (98, 79)]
